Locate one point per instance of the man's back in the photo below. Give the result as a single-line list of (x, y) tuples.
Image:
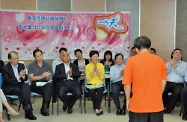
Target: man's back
[(145, 72)]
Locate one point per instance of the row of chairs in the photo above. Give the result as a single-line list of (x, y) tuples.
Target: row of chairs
[(34, 94)]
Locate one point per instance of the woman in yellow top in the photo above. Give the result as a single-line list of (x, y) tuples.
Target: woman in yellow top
[(95, 77)]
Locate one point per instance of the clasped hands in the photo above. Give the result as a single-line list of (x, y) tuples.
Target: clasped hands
[(46, 74), (173, 62), (22, 73)]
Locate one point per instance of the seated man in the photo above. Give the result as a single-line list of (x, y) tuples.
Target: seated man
[(153, 51), (133, 53), (14, 75), (116, 76), (184, 100), (39, 71), (175, 79), (67, 75), (1, 65), (56, 62)]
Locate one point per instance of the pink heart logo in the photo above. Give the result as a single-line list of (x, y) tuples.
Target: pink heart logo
[(7, 39), (20, 31)]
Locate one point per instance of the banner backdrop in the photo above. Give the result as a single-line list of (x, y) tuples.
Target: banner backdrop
[(25, 31)]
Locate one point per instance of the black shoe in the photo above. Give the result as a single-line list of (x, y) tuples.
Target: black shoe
[(118, 112), (97, 114), (184, 117), (101, 112), (70, 110), (64, 107), (167, 111), (30, 116), (44, 112), (123, 112)]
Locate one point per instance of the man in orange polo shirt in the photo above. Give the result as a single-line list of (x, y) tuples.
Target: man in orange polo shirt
[(145, 77)]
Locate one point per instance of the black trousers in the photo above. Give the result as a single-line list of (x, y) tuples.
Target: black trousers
[(116, 88), (45, 90), (175, 89), (23, 91), (96, 97), (69, 86), (184, 100), (146, 117)]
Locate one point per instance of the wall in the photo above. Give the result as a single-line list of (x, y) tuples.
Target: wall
[(181, 27), (156, 21)]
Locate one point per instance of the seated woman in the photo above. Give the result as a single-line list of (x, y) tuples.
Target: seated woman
[(3, 101), (107, 61), (80, 61), (95, 76)]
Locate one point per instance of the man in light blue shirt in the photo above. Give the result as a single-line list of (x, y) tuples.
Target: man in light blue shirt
[(175, 80), (116, 76)]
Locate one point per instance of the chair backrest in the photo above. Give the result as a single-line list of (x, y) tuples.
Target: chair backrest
[(184, 83), (1, 80)]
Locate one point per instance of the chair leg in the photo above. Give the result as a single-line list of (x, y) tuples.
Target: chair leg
[(8, 116), (84, 102), (19, 105), (81, 103), (109, 106), (181, 110), (57, 105), (105, 100), (52, 107)]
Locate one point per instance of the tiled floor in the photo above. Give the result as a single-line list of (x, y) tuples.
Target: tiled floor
[(85, 117)]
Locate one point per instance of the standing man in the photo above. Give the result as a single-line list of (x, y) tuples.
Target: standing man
[(145, 77), (40, 71), (116, 76), (14, 75)]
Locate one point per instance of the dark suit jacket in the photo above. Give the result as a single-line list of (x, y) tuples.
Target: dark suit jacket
[(9, 79), (60, 75)]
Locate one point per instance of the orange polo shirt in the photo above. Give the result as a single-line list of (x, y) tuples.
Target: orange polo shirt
[(145, 73)]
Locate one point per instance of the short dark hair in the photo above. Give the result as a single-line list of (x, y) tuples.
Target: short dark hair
[(2, 63), (132, 48), (142, 42), (9, 54), (93, 52), (153, 49), (62, 49), (35, 51), (77, 50), (174, 51), (118, 54)]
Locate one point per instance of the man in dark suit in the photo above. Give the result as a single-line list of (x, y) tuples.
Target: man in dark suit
[(14, 75), (67, 75)]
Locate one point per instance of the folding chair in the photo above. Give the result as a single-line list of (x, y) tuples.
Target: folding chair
[(181, 110), (68, 94), (11, 97), (86, 92), (110, 92)]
